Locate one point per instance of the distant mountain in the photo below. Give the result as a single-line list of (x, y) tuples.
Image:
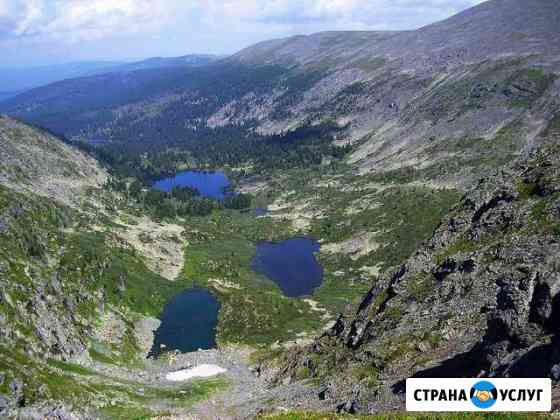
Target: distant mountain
[(24, 78), (489, 72), (158, 62), (10, 94), (16, 80)]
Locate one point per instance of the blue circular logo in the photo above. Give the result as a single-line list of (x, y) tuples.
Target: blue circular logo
[(484, 394)]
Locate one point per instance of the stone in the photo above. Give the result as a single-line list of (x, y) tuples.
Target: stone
[(16, 386), (322, 393), (4, 403), (555, 372)]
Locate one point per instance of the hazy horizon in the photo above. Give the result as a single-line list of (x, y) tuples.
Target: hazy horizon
[(47, 32)]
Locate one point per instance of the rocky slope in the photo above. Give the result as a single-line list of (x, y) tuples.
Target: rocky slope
[(77, 299), (17, 80), (479, 298), (49, 294), (33, 160), (489, 68)]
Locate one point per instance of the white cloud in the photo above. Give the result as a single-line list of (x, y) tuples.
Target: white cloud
[(399, 14), (85, 19), (32, 12), (126, 28), (11, 12)]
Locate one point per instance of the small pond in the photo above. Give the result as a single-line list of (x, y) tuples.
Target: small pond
[(291, 264), (188, 322), (209, 184), (261, 211)]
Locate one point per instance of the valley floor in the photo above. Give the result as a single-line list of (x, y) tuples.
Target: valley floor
[(364, 223), (360, 239)]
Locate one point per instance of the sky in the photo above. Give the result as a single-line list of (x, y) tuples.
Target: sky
[(41, 32)]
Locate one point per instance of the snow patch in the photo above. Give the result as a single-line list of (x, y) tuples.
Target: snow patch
[(200, 371)]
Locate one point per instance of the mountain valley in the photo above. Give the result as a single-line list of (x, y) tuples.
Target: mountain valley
[(424, 165)]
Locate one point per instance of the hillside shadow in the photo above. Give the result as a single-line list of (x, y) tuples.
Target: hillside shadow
[(464, 365)]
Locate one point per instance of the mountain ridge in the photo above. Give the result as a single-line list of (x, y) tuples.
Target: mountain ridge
[(14, 81), (488, 68)]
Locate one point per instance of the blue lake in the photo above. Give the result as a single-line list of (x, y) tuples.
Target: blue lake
[(291, 264), (261, 211), (188, 322), (209, 184)]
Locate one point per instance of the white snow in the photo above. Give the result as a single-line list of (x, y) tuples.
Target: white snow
[(200, 371)]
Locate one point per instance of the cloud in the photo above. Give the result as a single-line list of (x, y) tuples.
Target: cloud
[(12, 13), (87, 19), (395, 14), (134, 28), (78, 20)]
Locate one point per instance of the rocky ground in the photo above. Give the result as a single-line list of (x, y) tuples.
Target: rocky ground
[(35, 161), (248, 393), (161, 244), (478, 299)]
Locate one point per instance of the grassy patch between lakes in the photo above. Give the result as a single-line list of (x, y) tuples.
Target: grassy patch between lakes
[(253, 309)]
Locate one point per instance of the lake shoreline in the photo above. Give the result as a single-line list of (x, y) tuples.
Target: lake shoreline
[(209, 183), (188, 323), (291, 264)]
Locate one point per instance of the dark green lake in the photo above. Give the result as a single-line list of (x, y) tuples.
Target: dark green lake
[(188, 323), (291, 264)]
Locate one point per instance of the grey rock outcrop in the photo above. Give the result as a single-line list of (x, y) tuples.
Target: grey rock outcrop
[(480, 298), (35, 161)]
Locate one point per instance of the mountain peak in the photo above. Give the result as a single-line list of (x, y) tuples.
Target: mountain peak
[(493, 29)]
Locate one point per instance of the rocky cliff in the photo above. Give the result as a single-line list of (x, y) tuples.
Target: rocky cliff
[(35, 161), (48, 304), (71, 290), (480, 298)]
